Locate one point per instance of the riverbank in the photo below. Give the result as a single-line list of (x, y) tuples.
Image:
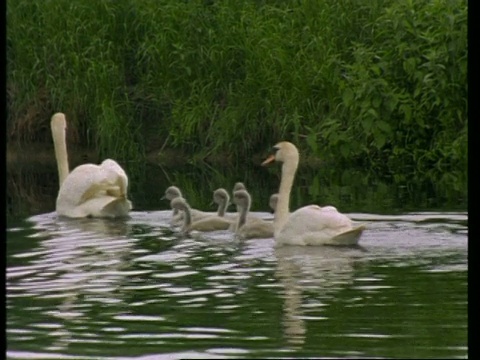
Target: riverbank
[(42, 153), (223, 81)]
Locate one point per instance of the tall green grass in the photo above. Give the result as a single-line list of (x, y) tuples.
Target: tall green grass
[(374, 83), (70, 56)]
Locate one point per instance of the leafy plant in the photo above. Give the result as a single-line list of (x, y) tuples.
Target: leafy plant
[(379, 83)]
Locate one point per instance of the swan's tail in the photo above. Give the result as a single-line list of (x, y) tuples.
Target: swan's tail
[(349, 237)]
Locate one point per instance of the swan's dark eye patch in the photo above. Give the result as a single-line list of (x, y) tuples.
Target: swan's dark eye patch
[(275, 149)]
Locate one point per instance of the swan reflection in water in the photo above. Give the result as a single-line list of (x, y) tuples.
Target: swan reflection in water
[(75, 260), (322, 270), (83, 259)]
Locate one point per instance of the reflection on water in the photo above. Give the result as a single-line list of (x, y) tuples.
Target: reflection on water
[(32, 189), (109, 289), (136, 289), (75, 262), (298, 269)]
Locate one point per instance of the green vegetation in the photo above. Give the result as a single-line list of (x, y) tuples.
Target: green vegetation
[(379, 84), (32, 188)]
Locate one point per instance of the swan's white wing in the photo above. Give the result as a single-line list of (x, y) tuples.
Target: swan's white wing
[(313, 225), (316, 218), (89, 188), (116, 176), (80, 185)]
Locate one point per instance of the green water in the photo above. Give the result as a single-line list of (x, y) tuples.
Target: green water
[(135, 289)]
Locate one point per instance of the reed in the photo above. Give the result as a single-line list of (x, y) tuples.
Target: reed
[(373, 83), (68, 57)]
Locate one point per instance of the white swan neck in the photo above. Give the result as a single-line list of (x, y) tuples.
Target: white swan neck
[(282, 211), (58, 126)]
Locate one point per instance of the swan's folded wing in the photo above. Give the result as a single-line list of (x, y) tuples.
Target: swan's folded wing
[(85, 183), (349, 237), (116, 177), (80, 185), (315, 218), (312, 225), (108, 180)]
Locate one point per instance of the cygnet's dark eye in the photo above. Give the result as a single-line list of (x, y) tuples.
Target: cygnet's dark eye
[(275, 149)]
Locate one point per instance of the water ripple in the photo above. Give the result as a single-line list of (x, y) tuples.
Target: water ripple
[(126, 288)]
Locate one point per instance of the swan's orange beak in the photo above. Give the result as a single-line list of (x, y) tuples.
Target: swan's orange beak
[(268, 160)]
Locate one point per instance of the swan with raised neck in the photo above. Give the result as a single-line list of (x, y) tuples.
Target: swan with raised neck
[(89, 190), (311, 224)]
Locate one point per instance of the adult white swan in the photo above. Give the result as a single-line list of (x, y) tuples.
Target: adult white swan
[(89, 190), (311, 224)]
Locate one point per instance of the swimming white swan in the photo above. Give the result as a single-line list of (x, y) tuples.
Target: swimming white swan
[(210, 223), (311, 224), (89, 190), (248, 228)]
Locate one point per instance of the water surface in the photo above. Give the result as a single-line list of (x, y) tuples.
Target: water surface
[(127, 289), (136, 289)]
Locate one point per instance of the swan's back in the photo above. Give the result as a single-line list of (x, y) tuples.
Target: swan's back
[(313, 225), (82, 184), (116, 176), (87, 191), (90, 189)]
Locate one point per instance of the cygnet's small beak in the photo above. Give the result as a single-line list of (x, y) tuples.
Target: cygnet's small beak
[(268, 160)]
